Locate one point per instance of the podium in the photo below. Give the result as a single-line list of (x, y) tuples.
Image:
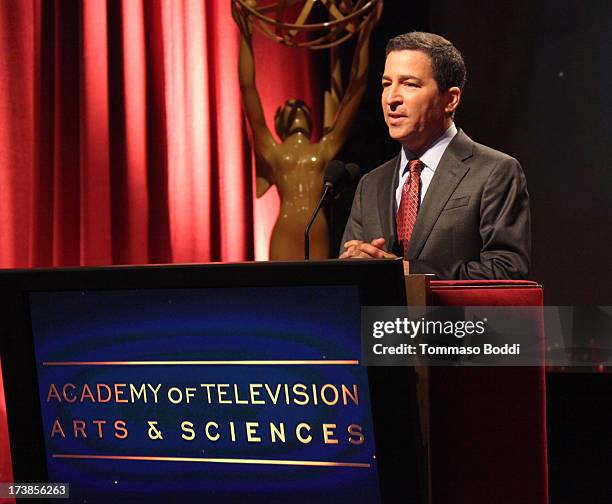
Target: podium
[(483, 428), (217, 383), (488, 425)]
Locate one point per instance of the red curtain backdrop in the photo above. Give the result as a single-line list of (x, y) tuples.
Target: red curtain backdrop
[(122, 139)]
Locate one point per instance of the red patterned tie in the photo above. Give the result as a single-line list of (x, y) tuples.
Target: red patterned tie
[(409, 204)]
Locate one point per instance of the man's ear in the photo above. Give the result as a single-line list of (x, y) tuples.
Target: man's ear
[(453, 97)]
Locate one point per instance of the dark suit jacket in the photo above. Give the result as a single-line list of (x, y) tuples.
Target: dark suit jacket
[(473, 223)]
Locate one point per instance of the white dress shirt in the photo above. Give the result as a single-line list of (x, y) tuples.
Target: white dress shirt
[(430, 158)]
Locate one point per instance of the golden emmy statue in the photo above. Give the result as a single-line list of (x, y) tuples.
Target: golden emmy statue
[(296, 164)]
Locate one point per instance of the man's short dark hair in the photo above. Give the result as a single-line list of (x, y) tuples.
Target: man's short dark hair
[(446, 61)]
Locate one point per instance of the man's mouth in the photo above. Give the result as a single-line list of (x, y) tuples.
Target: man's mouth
[(394, 118)]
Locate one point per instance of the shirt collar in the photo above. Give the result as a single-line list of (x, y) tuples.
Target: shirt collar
[(431, 157)]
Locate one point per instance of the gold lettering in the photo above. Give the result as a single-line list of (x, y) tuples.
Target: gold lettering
[(87, 393), (298, 433), (251, 430), (188, 432), (154, 390), (120, 427), (99, 388), (138, 393), (328, 432), (99, 423), (207, 387), (347, 393), (207, 430), (238, 401), (189, 393), (68, 398), (53, 392), (119, 392), (334, 401), (223, 393), (177, 400), (299, 389), (273, 397), (355, 435), (79, 426), (277, 432), (255, 393), (57, 429)]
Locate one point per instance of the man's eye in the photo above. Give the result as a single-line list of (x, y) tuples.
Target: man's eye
[(386, 84), (411, 84)]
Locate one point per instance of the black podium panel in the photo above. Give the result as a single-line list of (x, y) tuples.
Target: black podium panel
[(221, 382)]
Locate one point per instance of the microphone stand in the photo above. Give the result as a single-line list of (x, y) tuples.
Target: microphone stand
[(327, 190)]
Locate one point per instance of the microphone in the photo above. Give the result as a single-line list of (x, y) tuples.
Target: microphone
[(354, 173), (336, 178), (335, 173)]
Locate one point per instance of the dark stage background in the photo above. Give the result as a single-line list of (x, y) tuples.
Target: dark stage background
[(539, 88)]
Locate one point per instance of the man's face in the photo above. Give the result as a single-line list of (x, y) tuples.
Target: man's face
[(415, 111)]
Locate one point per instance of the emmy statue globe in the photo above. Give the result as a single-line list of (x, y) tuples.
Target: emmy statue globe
[(296, 163)]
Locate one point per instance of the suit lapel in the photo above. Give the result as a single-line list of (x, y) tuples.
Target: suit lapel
[(448, 174), (386, 201)]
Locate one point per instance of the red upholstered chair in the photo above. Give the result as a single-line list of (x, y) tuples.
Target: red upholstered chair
[(488, 425)]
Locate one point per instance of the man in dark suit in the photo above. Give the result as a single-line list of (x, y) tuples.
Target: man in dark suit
[(448, 205)]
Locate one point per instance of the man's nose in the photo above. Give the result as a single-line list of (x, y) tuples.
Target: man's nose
[(393, 97)]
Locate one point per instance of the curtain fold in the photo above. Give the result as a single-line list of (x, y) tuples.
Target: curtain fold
[(122, 137), (94, 166), (17, 46), (121, 134), (129, 140)]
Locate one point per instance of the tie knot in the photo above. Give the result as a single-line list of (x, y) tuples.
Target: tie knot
[(415, 166)]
